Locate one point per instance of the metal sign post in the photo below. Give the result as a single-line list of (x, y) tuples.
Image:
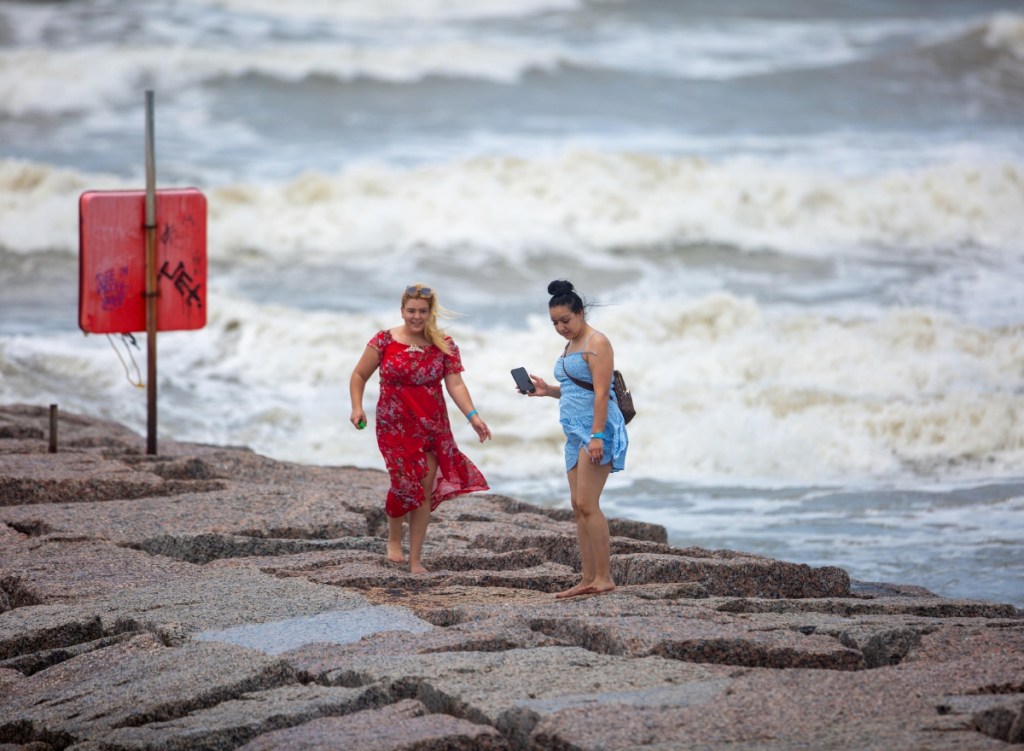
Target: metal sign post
[(129, 245), (151, 280)]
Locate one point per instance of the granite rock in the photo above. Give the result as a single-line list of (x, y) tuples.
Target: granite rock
[(212, 598), (403, 725)]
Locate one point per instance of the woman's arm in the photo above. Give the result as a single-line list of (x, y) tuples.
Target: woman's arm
[(602, 363), (459, 393), (368, 363)]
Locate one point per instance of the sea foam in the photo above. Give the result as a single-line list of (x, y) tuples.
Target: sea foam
[(727, 390), (580, 202)]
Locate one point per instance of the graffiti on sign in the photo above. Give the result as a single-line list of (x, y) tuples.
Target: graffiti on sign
[(182, 280), (112, 287)]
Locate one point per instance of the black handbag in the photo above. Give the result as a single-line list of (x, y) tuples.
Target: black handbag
[(623, 397)]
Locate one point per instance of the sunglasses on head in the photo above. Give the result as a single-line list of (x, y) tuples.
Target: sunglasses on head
[(413, 291)]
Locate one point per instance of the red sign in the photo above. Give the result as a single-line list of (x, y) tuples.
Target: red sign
[(112, 260)]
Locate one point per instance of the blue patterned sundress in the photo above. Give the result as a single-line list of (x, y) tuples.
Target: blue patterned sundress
[(576, 413)]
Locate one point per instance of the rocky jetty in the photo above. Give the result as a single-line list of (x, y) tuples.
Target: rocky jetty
[(212, 598)]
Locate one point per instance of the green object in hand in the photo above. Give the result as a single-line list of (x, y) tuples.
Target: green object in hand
[(362, 424)]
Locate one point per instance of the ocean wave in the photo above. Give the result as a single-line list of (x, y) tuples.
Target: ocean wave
[(100, 77), (1005, 32), (721, 50), (587, 201), (986, 50), (746, 394), (755, 49), (39, 205), (515, 209), (93, 76), (779, 48), (800, 394), (398, 10)]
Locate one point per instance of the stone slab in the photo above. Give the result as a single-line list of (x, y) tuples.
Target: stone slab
[(80, 477), (694, 640), (174, 610), (234, 722), (331, 627), (53, 568), (744, 576), (132, 684), (791, 709), (404, 726), (511, 690), (242, 509)]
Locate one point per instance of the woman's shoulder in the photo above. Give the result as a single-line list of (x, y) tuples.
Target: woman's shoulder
[(597, 345), (381, 339), (598, 340), (450, 345)]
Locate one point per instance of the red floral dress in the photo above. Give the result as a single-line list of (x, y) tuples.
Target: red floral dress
[(412, 419)]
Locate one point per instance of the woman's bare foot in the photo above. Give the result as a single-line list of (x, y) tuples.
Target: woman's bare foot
[(587, 588), (598, 588), (395, 554), (418, 568), (579, 589)]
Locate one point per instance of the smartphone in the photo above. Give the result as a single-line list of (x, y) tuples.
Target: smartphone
[(523, 382)]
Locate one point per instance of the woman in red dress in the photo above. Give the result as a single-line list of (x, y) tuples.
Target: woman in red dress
[(413, 431)]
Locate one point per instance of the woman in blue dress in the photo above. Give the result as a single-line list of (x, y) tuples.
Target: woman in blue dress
[(595, 432)]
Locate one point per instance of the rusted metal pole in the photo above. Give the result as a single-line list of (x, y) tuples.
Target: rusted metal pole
[(53, 428), (151, 280)]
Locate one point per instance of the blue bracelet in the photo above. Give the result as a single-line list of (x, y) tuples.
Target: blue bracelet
[(598, 435), (470, 415)]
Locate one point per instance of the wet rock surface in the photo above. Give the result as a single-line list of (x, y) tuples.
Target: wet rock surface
[(211, 598)]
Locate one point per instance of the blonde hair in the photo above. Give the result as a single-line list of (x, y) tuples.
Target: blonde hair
[(434, 333)]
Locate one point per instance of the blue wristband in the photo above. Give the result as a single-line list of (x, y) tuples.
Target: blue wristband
[(598, 435), (470, 415)]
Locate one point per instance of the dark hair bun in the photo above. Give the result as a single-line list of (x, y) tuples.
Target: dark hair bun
[(560, 287)]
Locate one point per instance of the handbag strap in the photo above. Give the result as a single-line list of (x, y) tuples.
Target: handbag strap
[(577, 381)]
